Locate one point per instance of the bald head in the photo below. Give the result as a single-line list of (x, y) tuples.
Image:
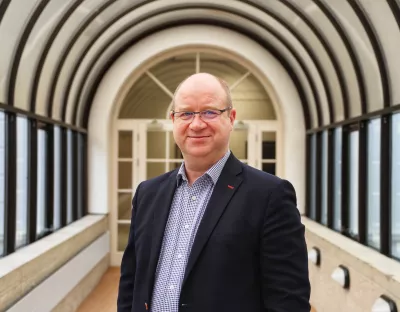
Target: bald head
[(201, 81)]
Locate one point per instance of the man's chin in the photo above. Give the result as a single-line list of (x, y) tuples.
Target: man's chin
[(198, 152)]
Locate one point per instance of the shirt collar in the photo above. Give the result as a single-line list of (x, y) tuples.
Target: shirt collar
[(214, 172)]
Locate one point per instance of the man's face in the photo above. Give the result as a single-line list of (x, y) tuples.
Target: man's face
[(198, 137)]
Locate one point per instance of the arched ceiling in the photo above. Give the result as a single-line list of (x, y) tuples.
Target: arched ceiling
[(341, 55)]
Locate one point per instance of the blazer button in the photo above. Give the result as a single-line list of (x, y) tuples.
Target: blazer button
[(184, 305)]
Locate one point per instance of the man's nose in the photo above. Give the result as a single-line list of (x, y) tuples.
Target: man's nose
[(197, 122)]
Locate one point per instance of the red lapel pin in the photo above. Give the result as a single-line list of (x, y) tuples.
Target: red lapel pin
[(230, 186)]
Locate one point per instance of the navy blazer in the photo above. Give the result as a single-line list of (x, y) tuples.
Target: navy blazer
[(249, 253)]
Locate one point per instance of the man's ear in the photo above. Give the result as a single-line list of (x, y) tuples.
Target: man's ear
[(232, 116)]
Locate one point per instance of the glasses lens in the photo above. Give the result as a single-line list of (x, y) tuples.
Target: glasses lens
[(184, 115), (209, 114)]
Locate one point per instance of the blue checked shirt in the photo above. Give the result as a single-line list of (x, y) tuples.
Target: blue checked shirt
[(188, 206)]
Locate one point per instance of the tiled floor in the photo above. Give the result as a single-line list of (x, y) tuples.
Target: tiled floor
[(104, 296)]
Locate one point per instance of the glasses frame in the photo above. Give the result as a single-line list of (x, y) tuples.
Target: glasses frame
[(193, 114)]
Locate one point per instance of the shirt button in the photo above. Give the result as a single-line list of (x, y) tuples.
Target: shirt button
[(171, 287), (179, 256), (186, 226), (194, 197)]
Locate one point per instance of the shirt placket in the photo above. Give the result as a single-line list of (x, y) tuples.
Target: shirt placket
[(180, 258)]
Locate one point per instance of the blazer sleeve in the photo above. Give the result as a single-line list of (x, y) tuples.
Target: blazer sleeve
[(128, 266), (284, 261)]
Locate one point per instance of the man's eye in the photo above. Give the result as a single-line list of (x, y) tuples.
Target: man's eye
[(209, 113), (185, 114)]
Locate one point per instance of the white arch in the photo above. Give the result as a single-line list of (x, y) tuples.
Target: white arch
[(124, 72)]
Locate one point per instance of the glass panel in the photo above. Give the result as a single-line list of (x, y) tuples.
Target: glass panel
[(174, 151), (22, 181), (270, 168), (395, 198), (174, 165), (125, 144), (374, 183), (125, 175), (155, 169), (324, 178), (123, 235), (222, 67), (124, 206), (353, 182), (70, 151), (2, 178), (57, 178), (238, 143), (251, 101), (313, 164), (181, 66), (156, 144), (80, 174), (145, 100), (41, 182), (337, 184), (268, 145)]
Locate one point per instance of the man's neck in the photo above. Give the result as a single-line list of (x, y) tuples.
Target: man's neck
[(195, 167)]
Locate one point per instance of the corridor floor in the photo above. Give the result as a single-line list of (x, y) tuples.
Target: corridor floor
[(104, 296)]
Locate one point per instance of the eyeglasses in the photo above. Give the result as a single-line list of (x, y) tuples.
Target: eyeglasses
[(206, 115)]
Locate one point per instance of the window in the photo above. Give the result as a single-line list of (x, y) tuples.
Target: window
[(395, 189), (57, 178), (324, 169), (2, 178), (22, 182), (41, 180), (81, 175), (337, 180), (70, 183), (353, 158), (313, 176), (46, 170), (374, 183)]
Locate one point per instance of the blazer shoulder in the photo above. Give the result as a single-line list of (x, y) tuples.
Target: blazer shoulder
[(155, 182), (261, 178)]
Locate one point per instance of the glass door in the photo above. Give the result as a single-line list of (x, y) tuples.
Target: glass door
[(126, 181), (267, 148)]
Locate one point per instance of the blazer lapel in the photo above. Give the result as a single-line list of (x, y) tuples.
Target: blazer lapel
[(225, 188), (161, 208)]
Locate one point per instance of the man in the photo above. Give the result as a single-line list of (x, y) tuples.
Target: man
[(215, 234)]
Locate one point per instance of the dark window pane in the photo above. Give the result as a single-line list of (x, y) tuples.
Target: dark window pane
[(270, 168), (374, 183)]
